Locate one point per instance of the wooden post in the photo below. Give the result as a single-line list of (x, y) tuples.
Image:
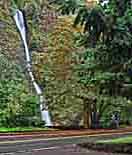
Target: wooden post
[(87, 113)]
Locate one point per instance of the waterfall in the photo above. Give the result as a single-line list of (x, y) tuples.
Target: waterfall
[(20, 23)]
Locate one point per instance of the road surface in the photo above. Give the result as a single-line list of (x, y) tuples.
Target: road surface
[(62, 150), (53, 146)]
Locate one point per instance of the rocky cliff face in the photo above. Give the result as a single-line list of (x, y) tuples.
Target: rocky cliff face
[(10, 44), (39, 42)]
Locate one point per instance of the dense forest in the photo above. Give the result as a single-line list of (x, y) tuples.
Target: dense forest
[(81, 57)]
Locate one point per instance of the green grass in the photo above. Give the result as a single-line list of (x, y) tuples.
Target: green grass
[(123, 140), (22, 129)]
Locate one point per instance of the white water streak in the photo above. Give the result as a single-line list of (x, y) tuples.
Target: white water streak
[(18, 17)]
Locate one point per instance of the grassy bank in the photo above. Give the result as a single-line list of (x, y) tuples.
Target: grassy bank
[(122, 140), (22, 129)]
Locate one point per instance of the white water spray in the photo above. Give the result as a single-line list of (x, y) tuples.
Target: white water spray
[(19, 19)]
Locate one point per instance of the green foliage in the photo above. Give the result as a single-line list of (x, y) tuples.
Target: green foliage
[(102, 24), (69, 6), (22, 129), (119, 7), (124, 140), (70, 73), (15, 99), (54, 70), (100, 69)]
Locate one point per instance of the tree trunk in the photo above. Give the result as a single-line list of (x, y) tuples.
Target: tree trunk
[(87, 114)]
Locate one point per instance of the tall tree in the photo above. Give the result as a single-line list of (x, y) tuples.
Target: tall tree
[(107, 30)]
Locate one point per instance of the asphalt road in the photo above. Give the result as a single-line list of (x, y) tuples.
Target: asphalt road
[(52, 146), (63, 150)]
